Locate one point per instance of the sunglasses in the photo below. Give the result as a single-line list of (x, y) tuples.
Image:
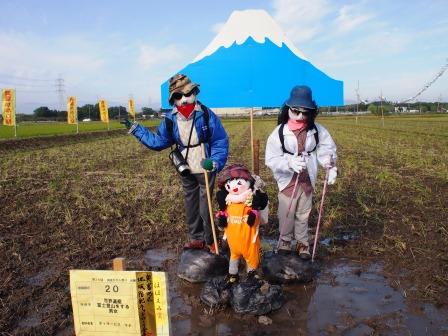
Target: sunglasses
[(179, 95), (300, 110)]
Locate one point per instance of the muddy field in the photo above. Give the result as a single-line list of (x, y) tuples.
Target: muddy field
[(69, 203)]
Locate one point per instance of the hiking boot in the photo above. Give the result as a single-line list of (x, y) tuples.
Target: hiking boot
[(284, 246), (195, 244), (303, 251), (231, 279)]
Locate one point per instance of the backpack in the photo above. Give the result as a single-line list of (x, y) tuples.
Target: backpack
[(282, 139), (169, 127)]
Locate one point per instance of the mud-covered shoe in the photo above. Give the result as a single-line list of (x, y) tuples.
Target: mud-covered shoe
[(303, 251), (231, 280), (284, 246), (251, 275), (195, 244)]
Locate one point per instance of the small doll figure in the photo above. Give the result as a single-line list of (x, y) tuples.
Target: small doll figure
[(240, 204)]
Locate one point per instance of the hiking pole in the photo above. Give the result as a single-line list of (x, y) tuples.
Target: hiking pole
[(324, 190), (289, 208), (209, 200), (292, 196), (303, 154)]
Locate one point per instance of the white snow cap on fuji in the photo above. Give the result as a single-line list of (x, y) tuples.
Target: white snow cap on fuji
[(255, 23)]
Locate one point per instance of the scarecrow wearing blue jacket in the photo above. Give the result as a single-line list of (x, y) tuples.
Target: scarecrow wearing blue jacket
[(189, 125)]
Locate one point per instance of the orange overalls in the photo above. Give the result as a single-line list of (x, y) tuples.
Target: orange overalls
[(243, 239)]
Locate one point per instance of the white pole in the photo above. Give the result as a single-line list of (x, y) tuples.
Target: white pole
[(252, 137), (77, 121)]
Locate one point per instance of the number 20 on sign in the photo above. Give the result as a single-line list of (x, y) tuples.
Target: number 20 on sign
[(107, 303)]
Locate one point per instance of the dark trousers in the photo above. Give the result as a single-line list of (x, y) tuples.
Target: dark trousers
[(196, 206)]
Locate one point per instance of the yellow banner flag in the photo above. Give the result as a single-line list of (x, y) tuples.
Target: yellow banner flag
[(104, 112), (72, 111), (9, 107), (131, 108)]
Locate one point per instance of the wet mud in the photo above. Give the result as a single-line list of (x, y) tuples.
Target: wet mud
[(346, 298)]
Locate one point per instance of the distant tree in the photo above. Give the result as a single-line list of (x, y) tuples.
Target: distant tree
[(88, 112), (44, 112), (148, 111), (116, 111)]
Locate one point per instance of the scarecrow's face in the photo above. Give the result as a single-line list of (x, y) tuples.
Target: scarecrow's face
[(297, 114), (184, 99), (237, 186)]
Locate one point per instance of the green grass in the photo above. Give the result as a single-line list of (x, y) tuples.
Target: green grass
[(34, 129)]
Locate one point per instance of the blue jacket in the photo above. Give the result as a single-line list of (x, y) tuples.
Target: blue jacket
[(217, 148)]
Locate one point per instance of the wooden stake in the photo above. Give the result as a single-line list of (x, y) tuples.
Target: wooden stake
[(209, 200), (257, 157), (119, 264)]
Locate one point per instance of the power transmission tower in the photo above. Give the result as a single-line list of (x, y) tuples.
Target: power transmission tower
[(60, 89)]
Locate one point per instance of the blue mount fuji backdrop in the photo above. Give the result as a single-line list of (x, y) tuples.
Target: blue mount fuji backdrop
[(257, 75)]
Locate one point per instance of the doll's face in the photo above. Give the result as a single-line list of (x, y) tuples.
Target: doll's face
[(297, 114), (237, 186), (180, 99)]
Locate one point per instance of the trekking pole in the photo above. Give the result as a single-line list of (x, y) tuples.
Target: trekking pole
[(209, 200), (292, 196), (324, 190)]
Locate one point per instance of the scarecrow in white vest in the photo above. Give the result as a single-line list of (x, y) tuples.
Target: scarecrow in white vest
[(189, 125), (241, 211), (293, 152)]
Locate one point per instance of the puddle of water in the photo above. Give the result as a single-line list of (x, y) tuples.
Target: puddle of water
[(156, 258), (346, 298)]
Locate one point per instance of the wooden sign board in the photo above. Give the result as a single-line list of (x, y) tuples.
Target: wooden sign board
[(107, 303)]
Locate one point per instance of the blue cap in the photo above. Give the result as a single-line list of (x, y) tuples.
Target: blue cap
[(301, 96)]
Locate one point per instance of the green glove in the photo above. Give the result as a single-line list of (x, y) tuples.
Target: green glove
[(208, 164), (127, 123)]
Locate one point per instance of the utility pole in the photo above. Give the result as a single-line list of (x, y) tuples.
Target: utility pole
[(357, 102), (60, 89), (438, 102), (382, 113)]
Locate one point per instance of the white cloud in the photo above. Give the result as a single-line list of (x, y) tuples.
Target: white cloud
[(27, 53), (301, 19), (152, 56), (348, 19)]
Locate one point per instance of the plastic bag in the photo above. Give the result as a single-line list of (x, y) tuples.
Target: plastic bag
[(287, 267), (216, 293), (201, 265), (256, 297)]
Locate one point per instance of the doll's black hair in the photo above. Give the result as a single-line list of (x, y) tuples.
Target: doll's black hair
[(283, 117), (251, 180)]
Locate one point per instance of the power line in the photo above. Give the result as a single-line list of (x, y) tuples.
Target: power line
[(428, 85)]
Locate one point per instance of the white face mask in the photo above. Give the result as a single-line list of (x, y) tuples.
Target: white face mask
[(237, 186), (185, 100), (296, 116)]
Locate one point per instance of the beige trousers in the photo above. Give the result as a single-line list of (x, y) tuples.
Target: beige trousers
[(294, 226)]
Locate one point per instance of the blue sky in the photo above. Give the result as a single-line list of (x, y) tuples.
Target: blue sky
[(112, 49)]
